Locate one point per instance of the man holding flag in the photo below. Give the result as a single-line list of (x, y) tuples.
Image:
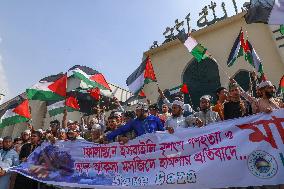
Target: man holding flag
[(268, 103), (187, 109), (143, 124)]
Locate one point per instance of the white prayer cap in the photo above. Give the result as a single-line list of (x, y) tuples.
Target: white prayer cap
[(265, 84), (40, 130), (141, 106), (62, 130), (1, 139), (117, 114), (96, 127), (178, 103), (27, 131), (206, 97), (70, 122)]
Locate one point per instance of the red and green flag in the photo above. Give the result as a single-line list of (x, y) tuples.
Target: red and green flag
[(181, 88), (17, 111), (92, 78), (95, 93), (49, 88), (252, 57), (144, 74), (70, 104), (238, 49)]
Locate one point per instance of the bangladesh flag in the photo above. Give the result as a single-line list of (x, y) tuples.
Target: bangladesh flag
[(17, 111), (238, 49), (49, 88), (144, 74), (89, 76), (196, 49), (70, 104)]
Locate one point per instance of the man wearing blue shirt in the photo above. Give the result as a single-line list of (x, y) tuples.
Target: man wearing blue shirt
[(143, 124), (8, 158)]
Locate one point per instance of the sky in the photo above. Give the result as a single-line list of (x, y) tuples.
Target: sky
[(44, 37)]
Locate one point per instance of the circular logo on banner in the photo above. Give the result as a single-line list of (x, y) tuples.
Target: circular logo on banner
[(261, 164)]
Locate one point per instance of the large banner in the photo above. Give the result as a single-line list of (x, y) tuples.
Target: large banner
[(241, 152)]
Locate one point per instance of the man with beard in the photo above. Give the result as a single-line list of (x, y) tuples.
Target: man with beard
[(8, 158), (143, 124), (235, 107), (205, 116), (176, 120), (268, 103)]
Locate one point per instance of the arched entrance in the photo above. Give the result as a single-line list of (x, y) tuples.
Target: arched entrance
[(201, 78), (243, 79)]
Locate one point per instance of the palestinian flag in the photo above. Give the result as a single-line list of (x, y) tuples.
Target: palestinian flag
[(144, 74), (237, 49), (281, 85), (181, 88), (252, 57), (50, 88), (266, 11), (87, 99), (89, 76), (17, 111), (282, 29), (55, 108), (196, 49), (95, 93)]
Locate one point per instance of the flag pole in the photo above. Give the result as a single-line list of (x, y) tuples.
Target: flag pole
[(64, 119)]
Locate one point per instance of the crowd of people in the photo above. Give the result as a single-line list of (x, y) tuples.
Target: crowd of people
[(122, 126)]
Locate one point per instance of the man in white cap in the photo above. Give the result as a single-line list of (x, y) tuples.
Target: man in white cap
[(267, 102), (144, 123), (96, 133), (205, 116), (61, 135), (186, 107), (8, 158), (26, 136), (176, 120)]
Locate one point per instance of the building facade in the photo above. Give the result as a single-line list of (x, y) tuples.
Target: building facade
[(174, 65)]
